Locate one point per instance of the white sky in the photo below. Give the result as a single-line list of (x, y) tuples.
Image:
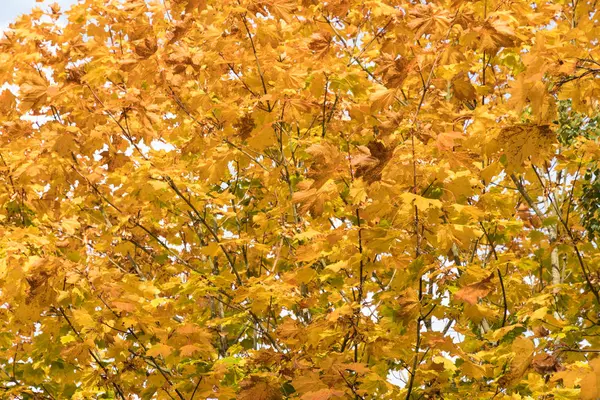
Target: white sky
[(11, 9)]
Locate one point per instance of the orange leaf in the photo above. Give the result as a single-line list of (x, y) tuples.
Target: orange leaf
[(473, 292)]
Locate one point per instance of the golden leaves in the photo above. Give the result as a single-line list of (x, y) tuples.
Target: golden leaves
[(40, 273), (409, 305), (324, 394), (181, 28), (447, 140), (545, 363), (533, 92), (325, 162), (590, 382), (335, 180), (308, 383), (189, 350), (422, 203), (117, 161), (587, 378), (159, 350), (312, 197), (193, 5), (244, 126), (281, 8)]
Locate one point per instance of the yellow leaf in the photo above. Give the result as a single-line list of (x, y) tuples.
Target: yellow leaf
[(473, 370), (307, 235), (70, 225), (489, 172), (463, 88), (520, 142), (68, 339), (159, 350), (83, 318), (522, 349), (590, 382), (422, 203), (382, 98), (498, 334), (538, 314), (211, 250), (337, 266), (259, 388), (324, 394), (189, 350)]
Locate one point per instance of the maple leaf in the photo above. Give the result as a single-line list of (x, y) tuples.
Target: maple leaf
[(383, 98), (7, 102), (189, 350), (428, 19), (409, 305), (191, 5), (159, 350), (473, 292), (308, 382), (394, 70), (496, 31), (146, 48), (320, 43), (371, 164), (34, 91), (245, 125), (282, 8), (258, 388), (523, 349), (522, 142), (545, 363), (463, 88), (323, 394)]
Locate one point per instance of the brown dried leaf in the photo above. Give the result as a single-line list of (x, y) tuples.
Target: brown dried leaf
[(545, 363)]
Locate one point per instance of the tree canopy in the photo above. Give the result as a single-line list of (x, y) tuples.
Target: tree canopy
[(273, 199)]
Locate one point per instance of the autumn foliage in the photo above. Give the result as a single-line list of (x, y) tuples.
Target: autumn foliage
[(273, 199)]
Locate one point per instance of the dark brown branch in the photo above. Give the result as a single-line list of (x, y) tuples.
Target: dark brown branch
[(505, 314), (260, 73), (252, 92), (580, 350), (411, 380), (196, 388), (350, 386), (324, 122)]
